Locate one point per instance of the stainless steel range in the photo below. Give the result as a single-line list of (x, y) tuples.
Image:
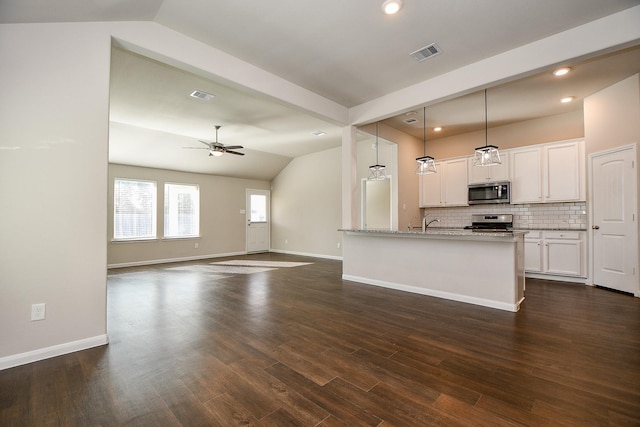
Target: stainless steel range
[(491, 223)]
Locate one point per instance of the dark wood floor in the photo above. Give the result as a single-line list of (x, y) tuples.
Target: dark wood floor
[(300, 347)]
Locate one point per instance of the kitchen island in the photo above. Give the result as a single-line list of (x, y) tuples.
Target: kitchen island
[(482, 268)]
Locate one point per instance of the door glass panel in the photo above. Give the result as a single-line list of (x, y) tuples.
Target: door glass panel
[(258, 208)]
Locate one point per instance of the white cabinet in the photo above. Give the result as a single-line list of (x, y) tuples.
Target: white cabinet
[(564, 172), (447, 187), (533, 251), (556, 253), (526, 175), (548, 173), (484, 174), (431, 188)]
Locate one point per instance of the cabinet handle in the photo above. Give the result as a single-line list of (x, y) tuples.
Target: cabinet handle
[(595, 227)]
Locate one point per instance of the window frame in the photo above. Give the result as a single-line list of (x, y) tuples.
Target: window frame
[(153, 211), (167, 216)]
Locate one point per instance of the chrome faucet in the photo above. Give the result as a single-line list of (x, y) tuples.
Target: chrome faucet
[(426, 224)]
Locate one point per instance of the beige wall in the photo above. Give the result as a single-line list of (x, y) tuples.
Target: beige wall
[(612, 116), (306, 205), (54, 112), (222, 226), (546, 129)]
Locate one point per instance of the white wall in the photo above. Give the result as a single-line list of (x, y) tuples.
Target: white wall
[(222, 226), (54, 82), (306, 205)]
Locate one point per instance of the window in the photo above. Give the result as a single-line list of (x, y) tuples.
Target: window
[(258, 208), (134, 209), (181, 210)]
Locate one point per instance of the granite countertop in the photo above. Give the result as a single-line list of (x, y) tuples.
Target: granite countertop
[(447, 233), (550, 229)]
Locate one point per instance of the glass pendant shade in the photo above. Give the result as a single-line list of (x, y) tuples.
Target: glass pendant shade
[(426, 164), (376, 171), (489, 154)]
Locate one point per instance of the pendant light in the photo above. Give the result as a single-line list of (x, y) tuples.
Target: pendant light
[(426, 164), (489, 154), (376, 172)]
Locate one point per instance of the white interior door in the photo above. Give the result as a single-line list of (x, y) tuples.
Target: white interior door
[(614, 224), (258, 235)]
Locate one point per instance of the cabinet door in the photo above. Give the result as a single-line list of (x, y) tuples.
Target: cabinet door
[(500, 172), (526, 175), (431, 188), (455, 183), (484, 174), (563, 257), (533, 255), (478, 174), (563, 172)]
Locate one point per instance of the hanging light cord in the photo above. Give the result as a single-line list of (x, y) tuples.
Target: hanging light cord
[(377, 162), (486, 120), (424, 130)]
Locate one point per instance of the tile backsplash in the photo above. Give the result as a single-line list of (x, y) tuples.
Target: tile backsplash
[(571, 215)]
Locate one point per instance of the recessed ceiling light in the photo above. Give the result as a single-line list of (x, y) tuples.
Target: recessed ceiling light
[(437, 128), (202, 95), (561, 71), (567, 99), (318, 133), (410, 113), (391, 6)]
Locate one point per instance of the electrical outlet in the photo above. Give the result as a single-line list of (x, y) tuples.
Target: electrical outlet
[(38, 311), (338, 245), (196, 245), (286, 241)]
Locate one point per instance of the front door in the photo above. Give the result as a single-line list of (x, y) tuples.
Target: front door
[(614, 223), (257, 220)]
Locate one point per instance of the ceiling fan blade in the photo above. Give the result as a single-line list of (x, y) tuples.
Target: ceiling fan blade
[(208, 144), (232, 147), (234, 152), (196, 148)]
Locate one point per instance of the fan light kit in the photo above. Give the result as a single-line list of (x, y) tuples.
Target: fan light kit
[(217, 149)]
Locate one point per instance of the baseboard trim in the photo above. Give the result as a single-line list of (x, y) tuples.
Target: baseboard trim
[(169, 260), (438, 294), (280, 251), (53, 351), (569, 279)]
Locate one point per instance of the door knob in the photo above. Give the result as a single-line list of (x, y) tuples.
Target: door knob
[(595, 227)]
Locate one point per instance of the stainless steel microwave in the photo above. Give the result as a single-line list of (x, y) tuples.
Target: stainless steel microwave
[(495, 192)]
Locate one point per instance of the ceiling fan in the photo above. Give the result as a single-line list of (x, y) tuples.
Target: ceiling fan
[(218, 149)]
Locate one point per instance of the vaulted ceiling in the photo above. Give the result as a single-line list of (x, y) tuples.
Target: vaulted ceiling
[(345, 51)]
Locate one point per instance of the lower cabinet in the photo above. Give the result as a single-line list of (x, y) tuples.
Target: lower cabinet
[(555, 253)]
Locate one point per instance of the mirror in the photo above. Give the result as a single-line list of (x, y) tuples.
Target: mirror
[(376, 204)]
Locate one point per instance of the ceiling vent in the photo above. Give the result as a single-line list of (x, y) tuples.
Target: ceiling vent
[(426, 52), (410, 120), (202, 95)]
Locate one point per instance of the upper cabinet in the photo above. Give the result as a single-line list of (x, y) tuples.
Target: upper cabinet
[(548, 173), (488, 174), (447, 187)]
